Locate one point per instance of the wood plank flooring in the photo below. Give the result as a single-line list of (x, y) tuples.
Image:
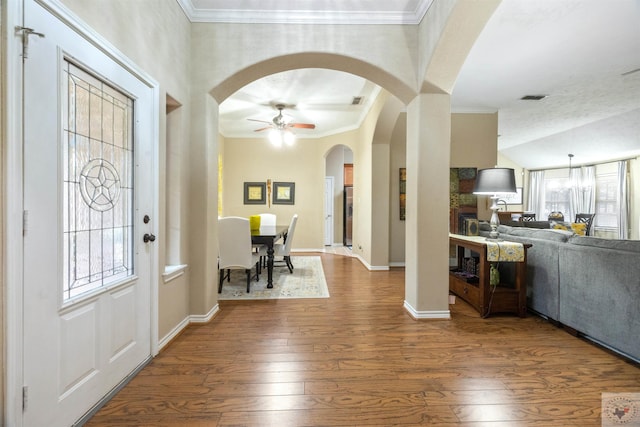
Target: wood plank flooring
[(358, 359)]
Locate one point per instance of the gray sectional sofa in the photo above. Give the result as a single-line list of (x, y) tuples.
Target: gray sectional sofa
[(589, 284)]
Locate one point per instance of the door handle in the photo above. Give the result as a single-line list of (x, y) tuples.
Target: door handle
[(148, 238)]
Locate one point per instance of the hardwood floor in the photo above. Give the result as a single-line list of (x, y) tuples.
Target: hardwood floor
[(358, 359)]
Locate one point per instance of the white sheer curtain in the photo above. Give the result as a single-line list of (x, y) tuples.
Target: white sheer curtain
[(623, 200), (583, 191), (535, 201)]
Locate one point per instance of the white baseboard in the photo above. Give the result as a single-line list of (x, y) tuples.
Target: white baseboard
[(397, 264), (204, 318), (186, 322), (434, 314), (371, 267), (173, 333)]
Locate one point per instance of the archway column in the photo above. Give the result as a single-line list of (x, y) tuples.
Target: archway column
[(427, 209), (203, 215)]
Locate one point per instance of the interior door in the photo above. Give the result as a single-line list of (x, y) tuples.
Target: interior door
[(88, 132)]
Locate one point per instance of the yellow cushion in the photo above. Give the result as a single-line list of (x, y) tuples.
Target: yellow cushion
[(557, 225), (580, 228)]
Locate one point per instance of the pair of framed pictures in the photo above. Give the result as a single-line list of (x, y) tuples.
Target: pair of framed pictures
[(255, 193)]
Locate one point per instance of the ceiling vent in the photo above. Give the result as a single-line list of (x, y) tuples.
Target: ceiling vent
[(357, 100), (533, 97)]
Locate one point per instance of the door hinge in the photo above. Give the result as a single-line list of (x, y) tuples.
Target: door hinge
[(25, 33), (25, 222), (25, 397)]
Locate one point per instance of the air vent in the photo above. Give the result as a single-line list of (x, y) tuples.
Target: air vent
[(533, 97), (357, 100)]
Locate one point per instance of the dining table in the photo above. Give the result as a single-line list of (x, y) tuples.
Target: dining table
[(267, 235)]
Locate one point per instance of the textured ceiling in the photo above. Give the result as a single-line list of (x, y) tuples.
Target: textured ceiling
[(583, 54)]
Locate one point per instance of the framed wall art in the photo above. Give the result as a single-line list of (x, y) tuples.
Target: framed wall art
[(513, 198), (284, 193), (255, 193), (403, 193)]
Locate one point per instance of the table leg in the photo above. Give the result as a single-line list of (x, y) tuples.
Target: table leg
[(270, 265)]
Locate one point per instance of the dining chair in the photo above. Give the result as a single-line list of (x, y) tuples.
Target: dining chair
[(234, 249), (585, 219), (556, 216), (284, 249), (269, 220)]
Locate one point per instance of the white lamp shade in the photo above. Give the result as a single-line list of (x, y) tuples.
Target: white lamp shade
[(495, 180)]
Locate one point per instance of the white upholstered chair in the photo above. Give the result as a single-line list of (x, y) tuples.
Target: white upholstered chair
[(284, 249), (267, 219), (234, 249)]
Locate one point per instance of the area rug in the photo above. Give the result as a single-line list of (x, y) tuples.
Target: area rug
[(306, 281)]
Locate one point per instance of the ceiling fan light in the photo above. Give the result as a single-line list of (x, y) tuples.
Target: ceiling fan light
[(275, 137), (289, 137)]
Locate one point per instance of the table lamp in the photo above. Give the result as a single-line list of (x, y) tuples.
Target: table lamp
[(493, 182)]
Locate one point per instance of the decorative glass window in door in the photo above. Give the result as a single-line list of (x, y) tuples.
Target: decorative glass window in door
[(97, 162)]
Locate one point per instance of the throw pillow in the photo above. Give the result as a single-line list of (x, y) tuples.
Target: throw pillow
[(580, 228), (559, 225)]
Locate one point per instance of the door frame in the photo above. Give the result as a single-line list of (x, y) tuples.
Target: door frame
[(12, 169)]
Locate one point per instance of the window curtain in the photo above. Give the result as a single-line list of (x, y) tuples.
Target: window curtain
[(623, 200), (535, 200), (583, 191)]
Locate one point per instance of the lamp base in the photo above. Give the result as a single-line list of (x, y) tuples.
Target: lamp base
[(494, 235)]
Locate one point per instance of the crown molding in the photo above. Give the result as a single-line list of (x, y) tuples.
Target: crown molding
[(253, 16)]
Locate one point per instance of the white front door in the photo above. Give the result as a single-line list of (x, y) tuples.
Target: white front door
[(88, 184), (328, 210)]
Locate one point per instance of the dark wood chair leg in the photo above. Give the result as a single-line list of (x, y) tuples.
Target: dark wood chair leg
[(287, 260), (248, 280), (220, 281)]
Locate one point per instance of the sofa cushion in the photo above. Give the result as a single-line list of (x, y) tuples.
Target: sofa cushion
[(554, 235), (621, 245)]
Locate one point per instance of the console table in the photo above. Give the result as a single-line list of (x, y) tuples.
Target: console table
[(475, 288)]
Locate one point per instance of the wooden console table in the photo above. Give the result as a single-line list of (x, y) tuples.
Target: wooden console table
[(476, 290)]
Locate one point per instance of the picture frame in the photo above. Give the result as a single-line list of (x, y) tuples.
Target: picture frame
[(255, 193), (284, 193), (403, 193), (513, 198)]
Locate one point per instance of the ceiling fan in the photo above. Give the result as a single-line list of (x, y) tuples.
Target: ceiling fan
[(282, 122)]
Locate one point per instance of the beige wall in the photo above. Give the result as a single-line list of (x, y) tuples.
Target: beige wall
[(256, 160), (474, 143), (398, 159)]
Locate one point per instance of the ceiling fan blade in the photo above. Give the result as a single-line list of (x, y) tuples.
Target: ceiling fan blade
[(302, 125), (264, 128), (261, 121)]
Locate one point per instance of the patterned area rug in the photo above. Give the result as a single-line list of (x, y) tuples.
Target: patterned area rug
[(306, 281)]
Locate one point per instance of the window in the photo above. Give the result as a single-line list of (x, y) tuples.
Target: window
[(98, 184), (606, 201), (557, 193)]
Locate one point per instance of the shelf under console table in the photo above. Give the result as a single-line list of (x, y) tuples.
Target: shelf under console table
[(509, 296)]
